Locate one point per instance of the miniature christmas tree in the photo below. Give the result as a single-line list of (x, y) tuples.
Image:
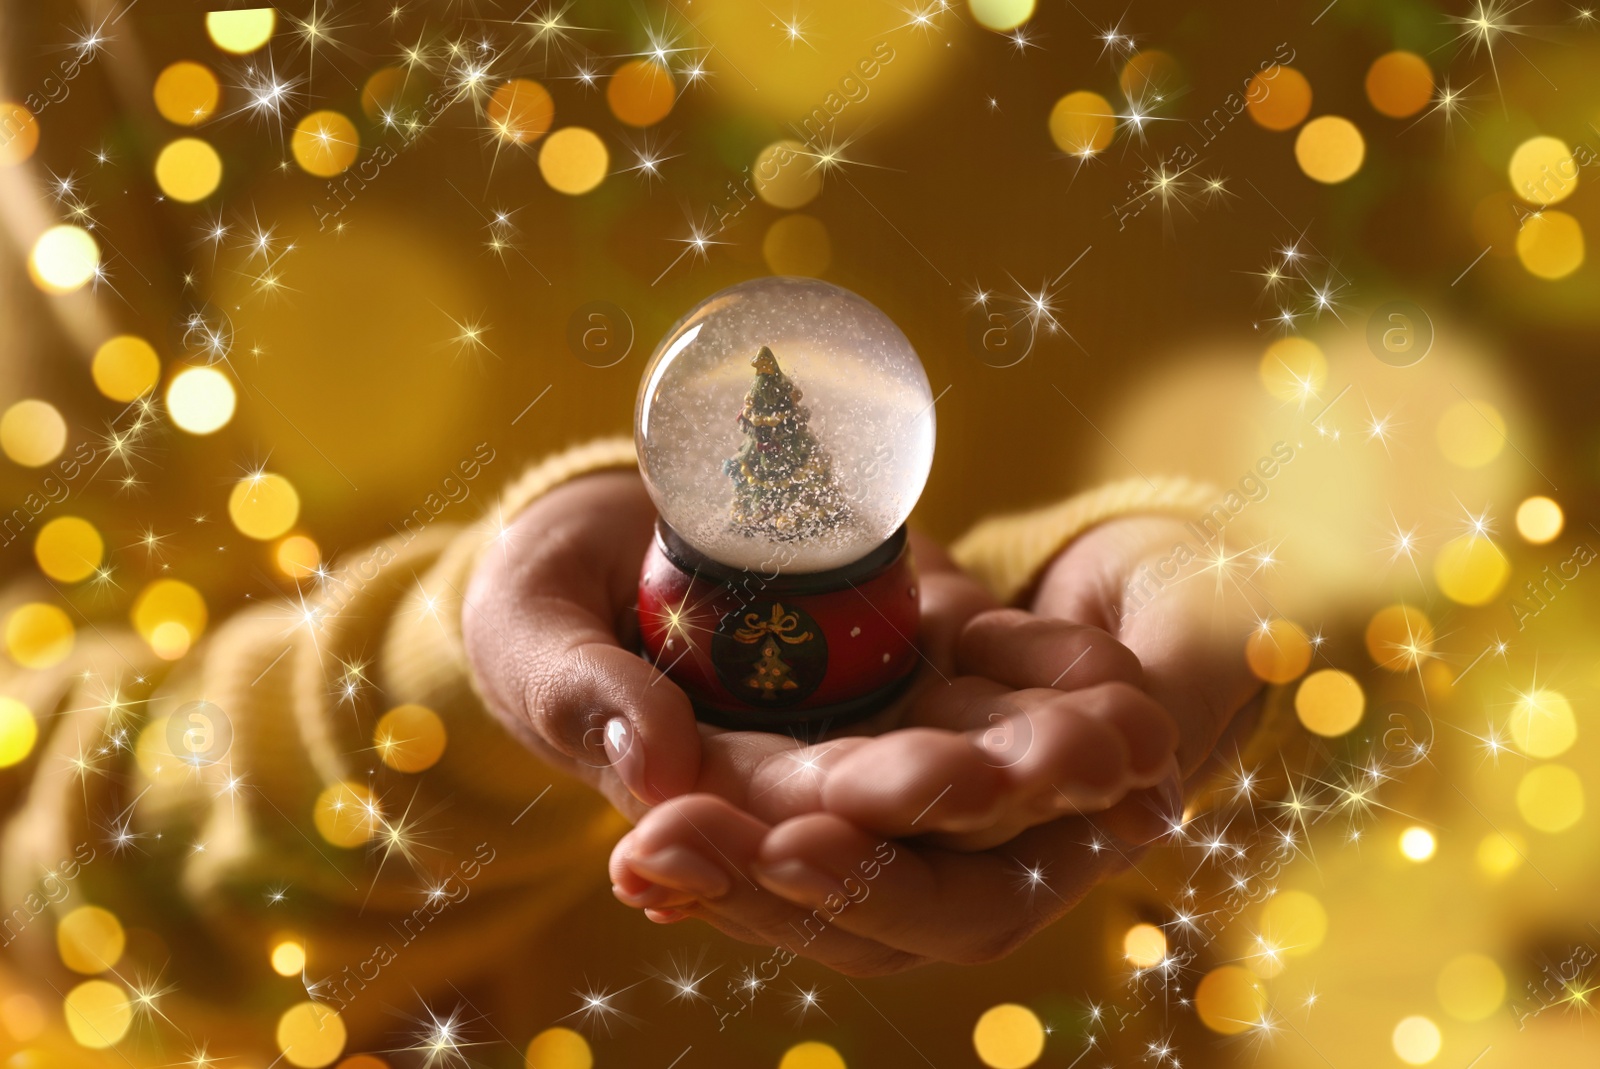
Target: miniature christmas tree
[(772, 672), (783, 483)]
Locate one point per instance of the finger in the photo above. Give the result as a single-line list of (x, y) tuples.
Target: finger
[(706, 847), (967, 908), (1022, 650)]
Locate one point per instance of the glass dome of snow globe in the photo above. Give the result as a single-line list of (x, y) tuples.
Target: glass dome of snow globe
[(785, 424)]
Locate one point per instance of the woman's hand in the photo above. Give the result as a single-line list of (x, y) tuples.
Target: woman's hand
[(551, 629)]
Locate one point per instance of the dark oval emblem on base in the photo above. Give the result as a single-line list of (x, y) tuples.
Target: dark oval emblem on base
[(769, 654)]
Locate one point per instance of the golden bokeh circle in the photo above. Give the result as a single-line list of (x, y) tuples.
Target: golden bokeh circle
[(188, 170), (263, 506), (1498, 855), (1008, 1036), (573, 160), (1144, 946), (32, 433), (1330, 149), (1399, 84), (64, 259), (797, 245), (310, 1035), (90, 940), (1001, 16), (39, 635), (297, 556), (1470, 570), (168, 601), (1082, 123), (288, 957), (1416, 1040), (1150, 75), (19, 133), (1418, 844), (1539, 520), (345, 814), (1329, 702), (786, 175), (641, 92), (1278, 651), (521, 111), (69, 549), (242, 31), (1230, 1000), (410, 738), (1471, 433), (200, 400), (98, 1013), (187, 93), (1550, 798), (1550, 245), (558, 1048), (1471, 987), (1278, 98), (1543, 171), (18, 731), (1398, 637), (1294, 369), (1542, 724), (125, 368), (325, 143), (1295, 922)]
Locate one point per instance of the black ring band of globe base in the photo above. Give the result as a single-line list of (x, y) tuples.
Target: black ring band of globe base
[(784, 430)]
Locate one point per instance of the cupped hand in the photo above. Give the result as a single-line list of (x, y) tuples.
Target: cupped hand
[(1011, 722)]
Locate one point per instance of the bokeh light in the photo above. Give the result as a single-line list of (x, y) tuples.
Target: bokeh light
[(18, 731), (1471, 433), (1278, 651), (1001, 15), (345, 814), (1329, 702), (559, 1048), (1471, 987), (785, 177), (1008, 1036), (63, 259), (242, 31), (1294, 370), (32, 433), (1416, 1040), (288, 958), (98, 1013), (39, 635), (1330, 149), (409, 738), (1539, 520), (1470, 569), (1144, 946), (1417, 844), (1399, 637), (90, 940), (187, 93), (310, 1035), (19, 133), (69, 549), (168, 601), (1542, 724), (797, 245), (640, 92), (1150, 75), (574, 160), (1399, 84), (520, 111), (811, 1055), (200, 400), (297, 556), (1543, 171), (263, 506), (1550, 798), (188, 170), (1499, 854), (1550, 245), (1295, 922), (325, 143), (1082, 123), (1230, 1000), (1278, 98), (125, 368)]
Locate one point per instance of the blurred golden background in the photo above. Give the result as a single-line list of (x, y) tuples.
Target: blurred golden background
[(272, 282)]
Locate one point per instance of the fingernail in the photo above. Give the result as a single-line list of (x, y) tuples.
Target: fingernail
[(798, 882), (655, 896), (626, 757), (665, 916), (684, 869)]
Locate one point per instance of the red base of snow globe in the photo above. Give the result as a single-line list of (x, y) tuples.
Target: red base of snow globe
[(781, 652)]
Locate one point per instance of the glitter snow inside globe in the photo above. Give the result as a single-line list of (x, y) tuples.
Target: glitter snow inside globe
[(785, 430)]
